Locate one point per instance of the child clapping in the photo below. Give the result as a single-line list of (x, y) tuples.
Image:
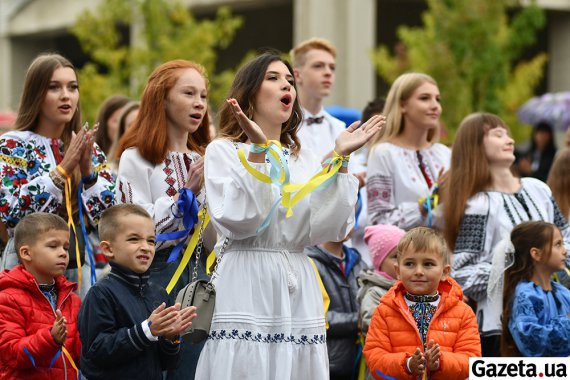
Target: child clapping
[(399, 343), (126, 328)]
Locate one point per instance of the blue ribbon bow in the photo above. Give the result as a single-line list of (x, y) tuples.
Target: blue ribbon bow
[(188, 209)]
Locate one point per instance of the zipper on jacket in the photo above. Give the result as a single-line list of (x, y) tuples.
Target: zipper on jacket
[(55, 315)]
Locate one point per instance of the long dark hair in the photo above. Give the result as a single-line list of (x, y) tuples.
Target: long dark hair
[(36, 85), (246, 84), (525, 236), (469, 172)]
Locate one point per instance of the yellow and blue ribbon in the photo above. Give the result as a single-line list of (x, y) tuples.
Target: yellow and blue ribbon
[(84, 231), (429, 203), (188, 208), (280, 176)]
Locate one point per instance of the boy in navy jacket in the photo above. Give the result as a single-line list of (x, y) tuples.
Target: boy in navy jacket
[(126, 329)]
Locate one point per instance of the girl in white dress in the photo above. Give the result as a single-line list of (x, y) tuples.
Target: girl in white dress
[(268, 320), (405, 161), (488, 201), (161, 164)]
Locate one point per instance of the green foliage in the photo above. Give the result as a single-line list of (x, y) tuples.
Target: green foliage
[(471, 49), (160, 30)]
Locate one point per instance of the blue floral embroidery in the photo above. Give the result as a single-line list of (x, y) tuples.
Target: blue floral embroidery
[(266, 338)]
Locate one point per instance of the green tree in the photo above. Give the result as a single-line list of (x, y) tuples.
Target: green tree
[(472, 49), (158, 31)]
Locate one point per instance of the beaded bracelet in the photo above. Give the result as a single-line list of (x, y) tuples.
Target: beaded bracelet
[(57, 179)]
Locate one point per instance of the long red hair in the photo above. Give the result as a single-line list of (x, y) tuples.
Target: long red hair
[(149, 130), (469, 172)]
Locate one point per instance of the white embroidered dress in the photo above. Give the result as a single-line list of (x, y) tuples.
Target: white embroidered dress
[(489, 217), (269, 320), (153, 187), (395, 183)]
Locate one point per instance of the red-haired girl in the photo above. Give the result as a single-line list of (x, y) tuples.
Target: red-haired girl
[(161, 166)]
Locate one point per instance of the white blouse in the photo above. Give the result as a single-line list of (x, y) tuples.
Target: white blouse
[(239, 203), (154, 186), (489, 217), (395, 182)]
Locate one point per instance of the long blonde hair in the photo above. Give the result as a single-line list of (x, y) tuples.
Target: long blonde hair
[(401, 90)]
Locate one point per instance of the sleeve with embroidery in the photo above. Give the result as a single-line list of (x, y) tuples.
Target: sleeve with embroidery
[(238, 203), (537, 327), (382, 206), (101, 195), (26, 186), (469, 268)]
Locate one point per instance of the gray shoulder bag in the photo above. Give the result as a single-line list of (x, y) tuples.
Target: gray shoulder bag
[(201, 294)]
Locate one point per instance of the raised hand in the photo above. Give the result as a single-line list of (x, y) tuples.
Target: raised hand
[(432, 354), (416, 364), (196, 176), (74, 151), (86, 163), (250, 128), (59, 328), (162, 319), (353, 137)]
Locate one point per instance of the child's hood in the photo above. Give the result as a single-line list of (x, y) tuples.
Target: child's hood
[(449, 290), (20, 278)]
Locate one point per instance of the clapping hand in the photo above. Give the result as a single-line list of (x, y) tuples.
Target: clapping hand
[(59, 328), (184, 321), (354, 137), (433, 354), (85, 163), (416, 363)]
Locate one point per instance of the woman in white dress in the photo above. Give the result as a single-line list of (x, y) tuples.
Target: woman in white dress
[(269, 320), (161, 165), (488, 202), (405, 161)]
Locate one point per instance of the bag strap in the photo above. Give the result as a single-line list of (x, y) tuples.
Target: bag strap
[(200, 242), (219, 259), (199, 250)]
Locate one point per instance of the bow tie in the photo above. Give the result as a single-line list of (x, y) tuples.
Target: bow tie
[(314, 120)]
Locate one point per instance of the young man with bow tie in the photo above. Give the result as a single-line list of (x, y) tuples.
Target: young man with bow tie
[(314, 63)]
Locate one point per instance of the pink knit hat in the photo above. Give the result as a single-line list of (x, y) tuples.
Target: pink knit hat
[(381, 240)]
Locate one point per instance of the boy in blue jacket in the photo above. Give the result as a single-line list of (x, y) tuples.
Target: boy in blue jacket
[(126, 329)]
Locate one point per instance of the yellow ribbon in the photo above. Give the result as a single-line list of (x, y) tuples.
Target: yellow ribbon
[(188, 252), (70, 359), (210, 262), (329, 170), (324, 294), (70, 222)]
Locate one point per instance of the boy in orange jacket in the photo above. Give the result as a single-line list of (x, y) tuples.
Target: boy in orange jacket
[(422, 324)]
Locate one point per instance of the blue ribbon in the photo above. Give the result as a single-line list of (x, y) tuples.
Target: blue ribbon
[(358, 210), (85, 238), (278, 169), (188, 208), (385, 376), (29, 356), (54, 358)]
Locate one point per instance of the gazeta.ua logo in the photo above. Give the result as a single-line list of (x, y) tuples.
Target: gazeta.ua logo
[(519, 368)]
